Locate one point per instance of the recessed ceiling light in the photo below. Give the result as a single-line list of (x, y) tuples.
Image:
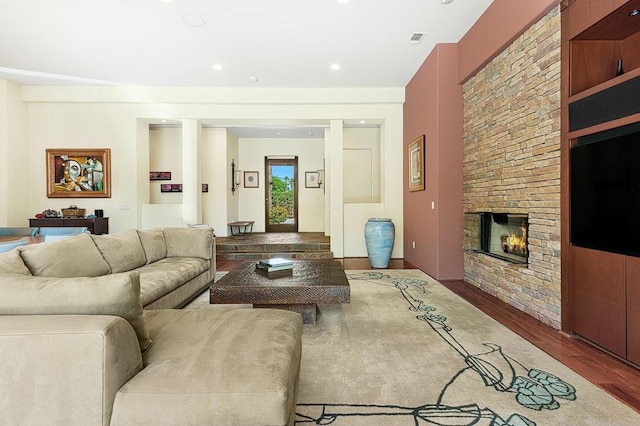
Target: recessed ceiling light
[(217, 67), (634, 12), (164, 121), (445, 1), (343, 1), (335, 67), (310, 134), (193, 20), (254, 79), (362, 121), (166, 1)]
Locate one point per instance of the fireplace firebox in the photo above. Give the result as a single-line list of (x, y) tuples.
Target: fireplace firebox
[(504, 235)]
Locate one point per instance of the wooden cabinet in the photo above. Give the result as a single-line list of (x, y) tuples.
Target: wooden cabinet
[(600, 290), (598, 298), (98, 225), (633, 309)]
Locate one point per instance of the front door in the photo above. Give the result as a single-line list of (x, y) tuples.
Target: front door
[(281, 194)]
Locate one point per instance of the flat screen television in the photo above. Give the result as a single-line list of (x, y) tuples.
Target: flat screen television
[(605, 191)]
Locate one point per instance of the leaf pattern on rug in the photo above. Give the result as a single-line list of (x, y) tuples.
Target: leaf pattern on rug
[(532, 388)]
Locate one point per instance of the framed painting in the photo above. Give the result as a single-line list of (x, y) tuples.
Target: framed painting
[(312, 179), (416, 164), (79, 173), (251, 180), (159, 175), (171, 187)]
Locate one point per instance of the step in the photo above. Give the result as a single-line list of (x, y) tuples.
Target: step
[(306, 255), (235, 247), (258, 246)]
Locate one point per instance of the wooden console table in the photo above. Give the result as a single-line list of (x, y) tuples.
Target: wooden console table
[(97, 225)]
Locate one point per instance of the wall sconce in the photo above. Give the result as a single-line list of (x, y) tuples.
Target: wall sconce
[(320, 177), (235, 177)]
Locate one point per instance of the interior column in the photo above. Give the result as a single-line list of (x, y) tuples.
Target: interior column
[(191, 172), (336, 192)]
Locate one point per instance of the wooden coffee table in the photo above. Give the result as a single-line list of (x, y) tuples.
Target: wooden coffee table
[(301, 290)]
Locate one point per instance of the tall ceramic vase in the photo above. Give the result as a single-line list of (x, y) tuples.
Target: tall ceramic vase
[(379, 235)]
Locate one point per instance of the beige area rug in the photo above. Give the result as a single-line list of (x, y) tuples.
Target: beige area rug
[(407, 351)]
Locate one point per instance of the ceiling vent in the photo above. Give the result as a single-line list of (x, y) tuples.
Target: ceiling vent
[(416, 38)]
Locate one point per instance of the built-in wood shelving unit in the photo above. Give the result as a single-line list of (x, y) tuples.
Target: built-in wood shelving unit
[(600, 290)]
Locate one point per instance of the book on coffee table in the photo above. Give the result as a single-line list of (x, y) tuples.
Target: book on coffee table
[(274, 264)]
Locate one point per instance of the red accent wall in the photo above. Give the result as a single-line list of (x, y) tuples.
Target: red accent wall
[(434, 108), (496, 29)]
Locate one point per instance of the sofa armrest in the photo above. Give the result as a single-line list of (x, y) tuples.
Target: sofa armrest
[(64, 369)]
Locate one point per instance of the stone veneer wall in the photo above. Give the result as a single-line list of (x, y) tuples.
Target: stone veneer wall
[(512, 164)]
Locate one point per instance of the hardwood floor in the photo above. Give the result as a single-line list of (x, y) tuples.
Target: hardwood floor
[(618, 378)]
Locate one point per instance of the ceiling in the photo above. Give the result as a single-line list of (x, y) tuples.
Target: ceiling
[(257, 43)]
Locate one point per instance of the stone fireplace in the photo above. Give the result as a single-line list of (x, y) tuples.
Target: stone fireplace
[(512, 164), (504, 235)]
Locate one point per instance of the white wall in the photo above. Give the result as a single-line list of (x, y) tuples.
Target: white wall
[(69, 125), (14, 158), (165, 155), (216, 172), (361, 165), (101, 117), (310, 153)]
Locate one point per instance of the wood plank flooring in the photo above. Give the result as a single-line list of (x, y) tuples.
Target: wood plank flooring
[(618, 378)]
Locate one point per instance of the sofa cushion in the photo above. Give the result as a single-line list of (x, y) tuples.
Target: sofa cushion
[(76, 256), (155, 248), (123, 251), (115, 294), (189, 242), (12, 262), (166, 275), (215, 367)]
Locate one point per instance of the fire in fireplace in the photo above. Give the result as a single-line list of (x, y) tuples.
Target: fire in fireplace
[(504, 235)]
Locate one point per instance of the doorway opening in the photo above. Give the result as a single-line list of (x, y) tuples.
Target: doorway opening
[(281, 194)]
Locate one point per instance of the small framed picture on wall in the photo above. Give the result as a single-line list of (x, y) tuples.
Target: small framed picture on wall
[(312, 179), (416, 164), (159, 175), (251, 180)]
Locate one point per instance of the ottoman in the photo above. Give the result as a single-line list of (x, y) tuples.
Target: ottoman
[(215, 366)]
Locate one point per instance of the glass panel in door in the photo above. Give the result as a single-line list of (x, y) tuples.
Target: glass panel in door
[(281, 198)]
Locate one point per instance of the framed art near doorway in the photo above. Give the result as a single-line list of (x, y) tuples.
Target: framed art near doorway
[(251, 180), (312, 179)]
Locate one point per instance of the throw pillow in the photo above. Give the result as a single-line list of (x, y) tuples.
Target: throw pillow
[(75, 256), (155, 248), (116, 294), (12, 262), (122, 251), (189, 242)]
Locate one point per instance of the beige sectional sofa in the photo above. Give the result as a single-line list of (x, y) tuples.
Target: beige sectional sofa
[(79, 349)]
